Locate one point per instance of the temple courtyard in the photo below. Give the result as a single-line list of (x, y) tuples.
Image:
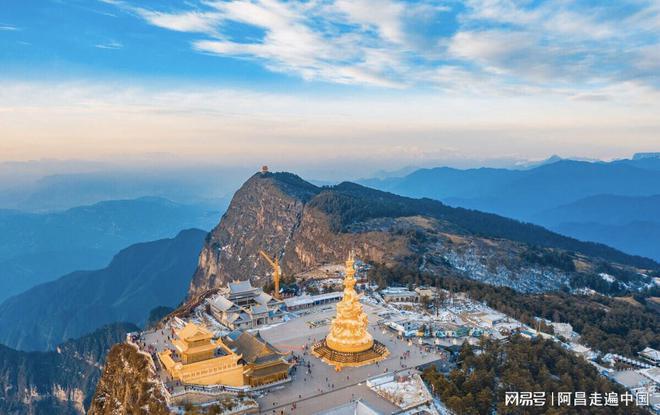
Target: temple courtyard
[(316, 386), (317, 360)]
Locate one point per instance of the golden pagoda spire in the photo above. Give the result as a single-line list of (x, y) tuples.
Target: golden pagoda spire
[(349, 343), (348, 332)]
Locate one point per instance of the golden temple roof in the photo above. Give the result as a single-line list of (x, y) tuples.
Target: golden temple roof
[(191, 332), (253, 349)]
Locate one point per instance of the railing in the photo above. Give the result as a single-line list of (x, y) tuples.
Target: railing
[(324, 351), (631, 361), (214, 390)]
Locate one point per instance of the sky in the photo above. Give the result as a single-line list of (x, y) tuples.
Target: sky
[(333, 84)]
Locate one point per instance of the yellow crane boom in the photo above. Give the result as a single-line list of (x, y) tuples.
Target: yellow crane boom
[(275, 264)]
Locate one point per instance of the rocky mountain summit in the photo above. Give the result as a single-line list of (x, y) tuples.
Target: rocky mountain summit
[(307, 226), (127, 385)]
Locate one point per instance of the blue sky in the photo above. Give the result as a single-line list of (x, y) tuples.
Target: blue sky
[(574, 44), (558, 64)]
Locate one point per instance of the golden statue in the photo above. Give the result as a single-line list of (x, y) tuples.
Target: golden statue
[(349, 329), (349, 343)]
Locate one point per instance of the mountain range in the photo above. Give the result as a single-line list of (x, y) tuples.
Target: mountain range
[(604, 209), (576, 198), (43, 186), (306, 226), (36, 248), (138, 279)]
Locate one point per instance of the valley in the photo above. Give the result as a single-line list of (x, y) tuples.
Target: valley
[(39, 247)]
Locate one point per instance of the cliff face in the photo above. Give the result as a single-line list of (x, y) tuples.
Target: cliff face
[(273, 212), (315, 243), (60, 382), (306, 226), (127, 385), (263, 214)]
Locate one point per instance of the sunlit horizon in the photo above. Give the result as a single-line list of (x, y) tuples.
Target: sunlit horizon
[(329, 85)]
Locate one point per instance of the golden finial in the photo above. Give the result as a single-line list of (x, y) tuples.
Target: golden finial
[(350, 264)]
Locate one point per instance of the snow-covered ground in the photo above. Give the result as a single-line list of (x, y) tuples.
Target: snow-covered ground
[(405, 392)]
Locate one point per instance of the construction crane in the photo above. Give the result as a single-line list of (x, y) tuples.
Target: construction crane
[(275, 263)]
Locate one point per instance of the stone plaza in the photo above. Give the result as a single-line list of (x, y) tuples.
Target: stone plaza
[(317, 386)]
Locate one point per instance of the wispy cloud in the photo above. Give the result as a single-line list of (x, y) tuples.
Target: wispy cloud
[(191, 21), (499, 44), (348, 42), (9, 28), (113, 45)]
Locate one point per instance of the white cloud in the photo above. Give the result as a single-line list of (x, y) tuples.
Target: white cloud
[(555, 18), (193, 21), (555, 44), (518, 56), (8, 28), (385, 16), (590, 97), (649, 58), (490, 48), (291, 44), (505, 44), (113, 45)]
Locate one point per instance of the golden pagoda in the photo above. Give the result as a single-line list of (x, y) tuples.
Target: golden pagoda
[(349, 343)]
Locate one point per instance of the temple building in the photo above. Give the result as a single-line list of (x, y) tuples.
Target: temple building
[(198, 359), (239, 359), (263, 363), (349, 343), (242, 306)]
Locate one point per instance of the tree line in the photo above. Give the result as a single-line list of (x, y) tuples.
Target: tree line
[(479, 382)]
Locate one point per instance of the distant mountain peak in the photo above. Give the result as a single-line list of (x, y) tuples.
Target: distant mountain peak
[(647, 155), (139, 278)]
